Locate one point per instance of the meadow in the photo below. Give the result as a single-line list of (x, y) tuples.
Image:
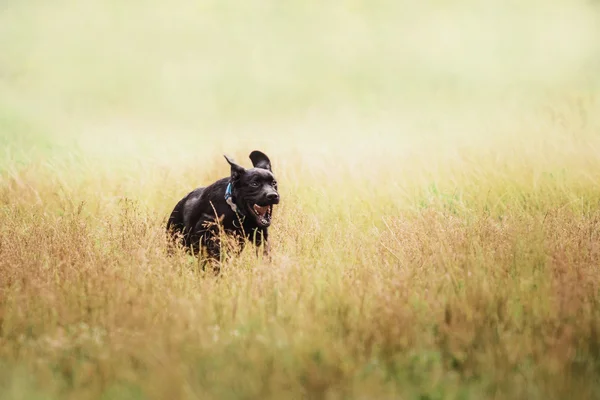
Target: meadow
[(439, 230)]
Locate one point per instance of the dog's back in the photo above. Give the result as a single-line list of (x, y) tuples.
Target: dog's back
[(181, 219)]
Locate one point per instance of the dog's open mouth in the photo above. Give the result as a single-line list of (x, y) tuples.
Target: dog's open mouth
[(263, 214)]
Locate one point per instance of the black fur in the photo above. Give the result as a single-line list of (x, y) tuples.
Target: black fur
[(193, 219)]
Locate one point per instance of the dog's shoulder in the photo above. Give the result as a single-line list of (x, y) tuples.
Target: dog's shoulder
[(204, 201), (215, 191), (202, 195)]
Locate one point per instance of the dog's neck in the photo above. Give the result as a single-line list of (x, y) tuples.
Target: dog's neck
[(229, 199)]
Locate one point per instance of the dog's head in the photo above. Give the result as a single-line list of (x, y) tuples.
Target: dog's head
[(254, 190)]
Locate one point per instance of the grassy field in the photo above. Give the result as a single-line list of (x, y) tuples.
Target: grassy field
[(439, 232)]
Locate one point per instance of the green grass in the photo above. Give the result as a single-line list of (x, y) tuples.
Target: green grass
[(439, 231)]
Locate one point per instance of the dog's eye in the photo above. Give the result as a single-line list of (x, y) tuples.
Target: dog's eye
[(254, 184), (274, 183)]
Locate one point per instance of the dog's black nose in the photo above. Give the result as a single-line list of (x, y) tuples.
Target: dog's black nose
[(273, 197)]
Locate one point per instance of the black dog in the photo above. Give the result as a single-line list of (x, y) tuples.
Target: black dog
[(241, 205)]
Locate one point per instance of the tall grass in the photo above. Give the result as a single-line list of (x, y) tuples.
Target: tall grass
[(439, 232)]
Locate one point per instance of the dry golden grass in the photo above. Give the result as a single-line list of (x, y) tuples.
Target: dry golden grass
[(439, 232), (471, 274)]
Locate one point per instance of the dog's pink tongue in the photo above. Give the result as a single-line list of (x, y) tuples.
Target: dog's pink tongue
[(260, 210)]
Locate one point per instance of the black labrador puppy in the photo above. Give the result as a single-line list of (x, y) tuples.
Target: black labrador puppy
[(240, 206)]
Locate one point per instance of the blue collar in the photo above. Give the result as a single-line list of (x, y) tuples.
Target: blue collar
[(229, 200)]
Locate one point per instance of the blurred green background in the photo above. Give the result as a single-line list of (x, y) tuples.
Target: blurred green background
[(202, 68)]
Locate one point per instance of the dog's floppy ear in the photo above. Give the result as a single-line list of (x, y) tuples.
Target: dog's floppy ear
[(236, 170), (260, 160)]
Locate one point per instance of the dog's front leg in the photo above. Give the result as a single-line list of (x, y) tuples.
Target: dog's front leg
[(267, 250), (260, 239), (263, 241), (210, 244), (213, 250)]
